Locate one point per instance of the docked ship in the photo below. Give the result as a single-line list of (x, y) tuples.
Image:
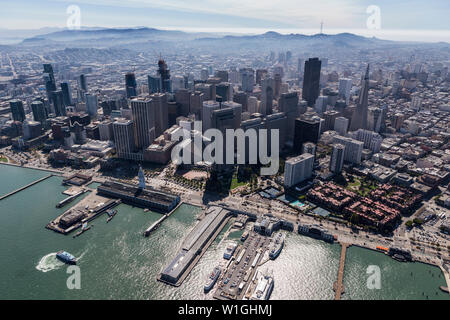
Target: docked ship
[(276, 245), (212, 279), (315, 232), (229, 251), (264, 287), (66, 257)]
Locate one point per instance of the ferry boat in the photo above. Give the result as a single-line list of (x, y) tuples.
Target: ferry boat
[(276, 246), (264, 287), (230, 251), (212, 279), (244, 236), (66, 257)]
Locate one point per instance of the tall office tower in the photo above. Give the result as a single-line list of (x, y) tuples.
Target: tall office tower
[(288, 103), (311, 81), (164, 74), (224, 90), (208, 89), (277, 85), (267, 96), (260, 74), (321, 104), (353, 148), (82, 83), (49, 79), (183, 97), (345, 87), (337, 158), (144, 121), (124, 137), (196, 103), (31, 129), (208, 107), (204, 74), (241, 98), (153, 84), (341, 125), (67, 93), (223, 75), (91, 104), (252, 106), (371, 139), (374, 119), (178, 83), (248, 79), (330, 118), (310, 148), (276, 121), (306, 130), (130, 85), (298, 169), (105, 129), (237, 109), (159, 101), (39, 111), (17, 111), (58, 103), (359, 119)]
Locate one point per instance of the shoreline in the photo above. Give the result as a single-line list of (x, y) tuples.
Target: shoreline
[(56, 172)]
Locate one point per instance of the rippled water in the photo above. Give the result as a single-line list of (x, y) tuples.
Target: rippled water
[(117, 262)]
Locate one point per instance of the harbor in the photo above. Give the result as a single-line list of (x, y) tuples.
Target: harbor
[(25, 187), (133, 262)]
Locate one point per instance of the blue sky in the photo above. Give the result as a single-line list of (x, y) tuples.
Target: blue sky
[(411, 18)]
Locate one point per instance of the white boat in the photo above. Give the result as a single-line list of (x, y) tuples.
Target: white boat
[(264, 287), (276, 245), (230, 251)]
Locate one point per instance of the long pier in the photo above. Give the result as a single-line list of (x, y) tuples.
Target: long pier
[(338, 286), (25, 187), (157, 223)]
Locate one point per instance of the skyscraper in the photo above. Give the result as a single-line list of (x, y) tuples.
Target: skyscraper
[(82, 83), (359, 118), (337, 158), (345, 87), (341, 125), (123, 137), (39, 111), (207, 109), (17, 111), (58, 103), (164, 74), (311, 81), (144, 121), (159, 101), (67, 93), (306, 130), (130, 85), (154, 84), (91, 104), (248, 79), (298, 169), (267, 96)]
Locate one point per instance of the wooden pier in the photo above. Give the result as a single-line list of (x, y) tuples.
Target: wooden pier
[(338, 286)]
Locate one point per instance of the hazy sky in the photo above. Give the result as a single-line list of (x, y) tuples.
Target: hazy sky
[(400, 19)]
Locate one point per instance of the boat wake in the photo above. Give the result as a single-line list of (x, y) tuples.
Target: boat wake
[(49, 262)]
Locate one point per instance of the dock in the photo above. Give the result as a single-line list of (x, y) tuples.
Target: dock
[(338, 286), (157, 223), (447, 280), (25, 187), (69, 199)]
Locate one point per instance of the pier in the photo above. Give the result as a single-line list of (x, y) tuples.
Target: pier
[(25, 187), (447, 280), (157, 223), (338, 286)]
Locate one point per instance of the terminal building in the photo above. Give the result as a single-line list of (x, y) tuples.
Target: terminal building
[(151, 199)]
